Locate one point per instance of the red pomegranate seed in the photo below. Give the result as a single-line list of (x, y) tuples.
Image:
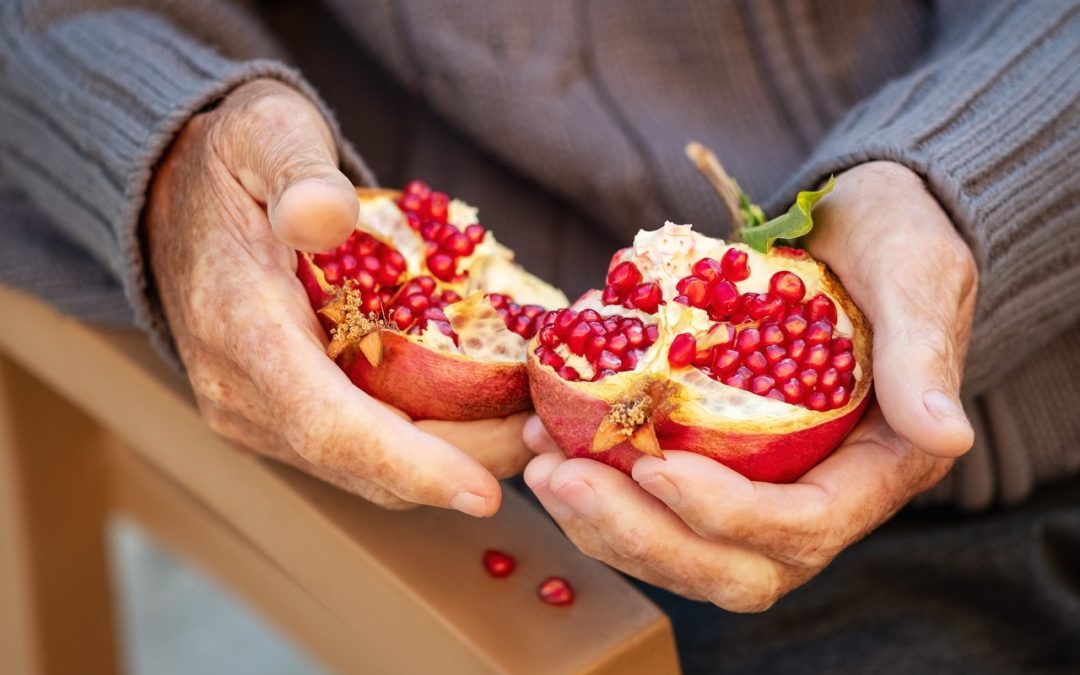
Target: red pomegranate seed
[(646, 297), (817, 401), (556, 591), (630, 359), (756, 362), (611, 296), (819, 333), (404, 317), (734, 264), (458, 245), (624, 276), (775, 395), (797, 349), (793, 390), (410, 202), (568, 373), (725, 361), (748, 340), (821, 307), (498, 564), (438, 206), (548, 357), (761, 384), (708, 269), (652, 333), (839, 397), (565, 320), (841, 344), (682, 351), (816, 356), (794, 326), (365, 281), (724, 297), (618, 344), (695, 290), (809, 378), (703, 357), (635, 335), (609, 361), (441, 265), (787, 286), (475, 233), (830, 377), (844, 362), (774, 353), (771, 333), (785, 368), (737, 380), (523, 326), (577, 336), (595, 345), (589, 315), (418, 188)]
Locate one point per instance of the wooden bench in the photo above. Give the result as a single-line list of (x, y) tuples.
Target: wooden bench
[(93, 425)]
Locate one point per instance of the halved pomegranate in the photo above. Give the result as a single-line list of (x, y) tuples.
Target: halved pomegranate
[(425, 310), (760, 361)]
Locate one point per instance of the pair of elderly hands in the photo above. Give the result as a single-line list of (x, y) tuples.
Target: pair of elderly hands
[(249, 181)]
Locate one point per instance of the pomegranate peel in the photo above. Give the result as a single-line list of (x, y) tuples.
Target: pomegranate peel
[(425, 310), (709, 382)]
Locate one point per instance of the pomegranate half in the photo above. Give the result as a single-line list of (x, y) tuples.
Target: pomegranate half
[(425, 310), (760, 361)]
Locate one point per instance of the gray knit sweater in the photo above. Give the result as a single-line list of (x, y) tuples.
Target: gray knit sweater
[(565, 122)]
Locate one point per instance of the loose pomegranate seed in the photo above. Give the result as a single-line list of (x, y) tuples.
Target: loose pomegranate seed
[(646, 297), (708, 269), (788, 287), (498, 564), (735, 265), (624, 276), (556, 591), (682, 351)]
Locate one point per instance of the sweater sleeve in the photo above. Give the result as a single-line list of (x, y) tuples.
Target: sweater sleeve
[(991, 120), (89, 101)]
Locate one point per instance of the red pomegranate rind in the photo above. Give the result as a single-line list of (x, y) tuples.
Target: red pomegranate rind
[(441, 386)]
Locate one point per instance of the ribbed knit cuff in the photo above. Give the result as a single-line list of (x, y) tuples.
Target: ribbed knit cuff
[(90, 104), (995, 133)]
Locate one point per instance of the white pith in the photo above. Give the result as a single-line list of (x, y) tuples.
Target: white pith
[(491, 269), (667, 255)]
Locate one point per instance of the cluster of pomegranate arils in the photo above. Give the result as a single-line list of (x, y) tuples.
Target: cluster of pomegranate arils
[(772, 344), (378, 271), (612, 344), (775, 344), (552, 590)]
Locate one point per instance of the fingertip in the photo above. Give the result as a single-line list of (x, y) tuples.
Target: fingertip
[(537, 437), (539, 470), (315, 213)]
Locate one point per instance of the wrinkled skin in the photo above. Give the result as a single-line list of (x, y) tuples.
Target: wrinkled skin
[(242, 186), (699, 529)]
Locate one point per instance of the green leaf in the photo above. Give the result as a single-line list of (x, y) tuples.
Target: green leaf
[(791, 225)]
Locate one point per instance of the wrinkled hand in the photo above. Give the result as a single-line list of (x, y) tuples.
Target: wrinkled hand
[(242, 186), (706, 532)]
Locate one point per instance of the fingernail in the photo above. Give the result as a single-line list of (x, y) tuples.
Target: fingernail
[(661, 488), (578, 495), (469, 504), (941, 405)]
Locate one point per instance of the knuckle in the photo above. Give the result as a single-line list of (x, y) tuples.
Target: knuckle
[(738, 594)]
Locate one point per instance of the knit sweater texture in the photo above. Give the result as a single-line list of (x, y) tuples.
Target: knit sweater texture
[(566, 122)]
